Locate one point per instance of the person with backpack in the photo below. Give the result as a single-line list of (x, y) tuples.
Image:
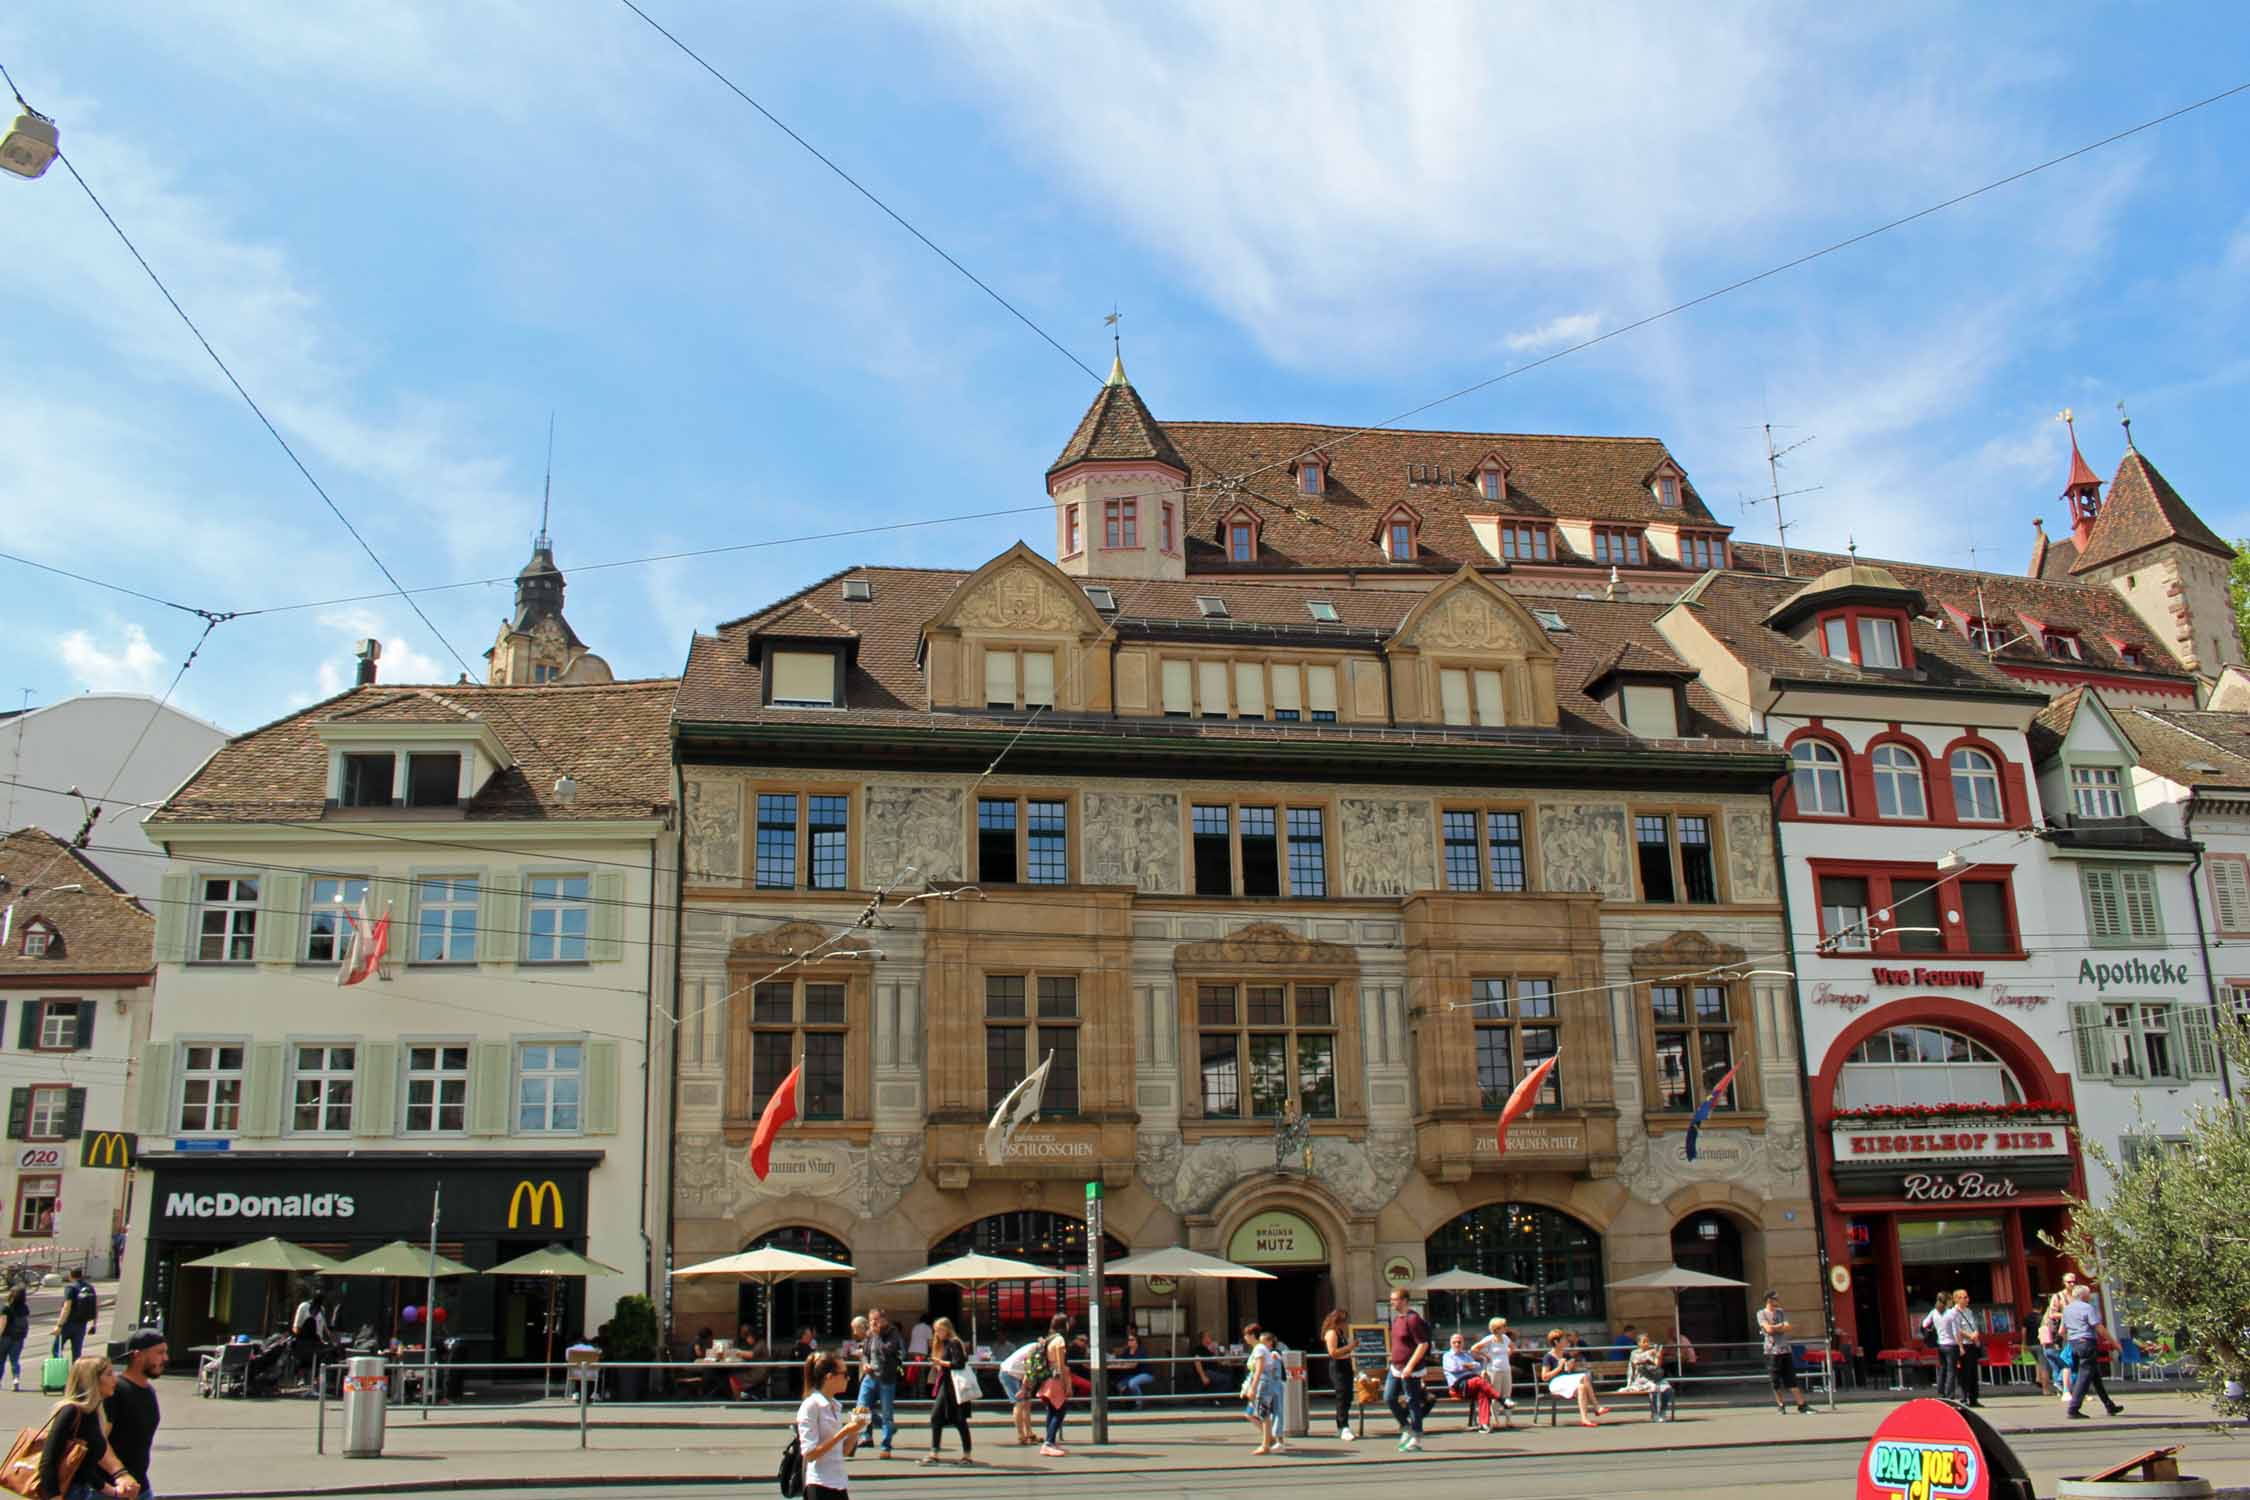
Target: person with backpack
[(13, 1332), (80, 1303), (825, 1435), (1016, 1384), (1049, 1376)]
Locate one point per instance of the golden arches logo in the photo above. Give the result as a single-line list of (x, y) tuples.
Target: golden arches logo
[(538, 1194), (106, 1148)]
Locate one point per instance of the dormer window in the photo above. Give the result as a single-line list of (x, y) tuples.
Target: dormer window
[(2130, 658), (801, 679), (1702, 550), (1668, 491), (2062, 645), (1985, 636), (1242, 542), (1312, 476), (368, 780), (38, 938), (1491, 483), (433, 780), (1398, 539), (1525, 542), (1617, 545), (1866, 638)]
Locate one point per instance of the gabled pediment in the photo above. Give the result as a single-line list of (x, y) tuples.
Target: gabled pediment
[(1022, 593), (1468, 612)]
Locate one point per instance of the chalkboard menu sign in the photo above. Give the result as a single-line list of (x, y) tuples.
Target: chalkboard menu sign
[(1371, 1346)]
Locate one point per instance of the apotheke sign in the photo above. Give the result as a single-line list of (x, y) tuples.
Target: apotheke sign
[(2138, 972)]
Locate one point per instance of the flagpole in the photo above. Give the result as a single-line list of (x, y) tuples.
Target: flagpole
[(429, 1302)]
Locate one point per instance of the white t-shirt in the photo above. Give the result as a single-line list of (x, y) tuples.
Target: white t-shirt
[(1017, 1363), (918, 1341), (1949, 1328), (819, 1419), (1497, 1348)]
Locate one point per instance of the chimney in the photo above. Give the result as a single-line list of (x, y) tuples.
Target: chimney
[(370, 652)]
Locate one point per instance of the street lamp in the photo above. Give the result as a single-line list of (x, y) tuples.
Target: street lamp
[(30, 145)]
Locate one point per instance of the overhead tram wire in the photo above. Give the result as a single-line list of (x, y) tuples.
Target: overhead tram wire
[(275, 432), (1232, 480), (858, 187)]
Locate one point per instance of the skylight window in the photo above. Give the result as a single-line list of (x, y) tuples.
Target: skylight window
[(1212, 606), (1548, 619), (1104, 600), (857, 591), (1322, 610)]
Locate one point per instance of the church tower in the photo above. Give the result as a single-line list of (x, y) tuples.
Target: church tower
[(1119, 509), (536, 643), (2147, 543)]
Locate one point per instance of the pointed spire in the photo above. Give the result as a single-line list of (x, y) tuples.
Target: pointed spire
[(2083, 490), (2081, 473), (1117, 370)]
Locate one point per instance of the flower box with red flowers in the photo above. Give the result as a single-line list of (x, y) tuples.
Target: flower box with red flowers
[(2029, 1112)]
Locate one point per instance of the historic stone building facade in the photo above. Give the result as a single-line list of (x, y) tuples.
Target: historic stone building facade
[(1294, 881)]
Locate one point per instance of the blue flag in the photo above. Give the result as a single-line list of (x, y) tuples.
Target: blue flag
[(1703, 1110)]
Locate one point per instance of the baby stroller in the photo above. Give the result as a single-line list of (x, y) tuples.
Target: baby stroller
[(269, 1363)]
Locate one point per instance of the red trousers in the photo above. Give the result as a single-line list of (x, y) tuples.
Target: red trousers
[(1480, 1390)]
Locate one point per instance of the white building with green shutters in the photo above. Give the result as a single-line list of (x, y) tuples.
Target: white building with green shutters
[(495, 1072)]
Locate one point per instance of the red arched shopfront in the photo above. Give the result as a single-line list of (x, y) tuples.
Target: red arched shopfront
[(1942, 1193)]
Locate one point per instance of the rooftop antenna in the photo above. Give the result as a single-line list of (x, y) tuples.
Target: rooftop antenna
[(15, 772), (1781, 525), (543, 542)]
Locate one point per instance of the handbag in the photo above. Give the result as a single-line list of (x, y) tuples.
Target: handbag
[(965, 1387), (19, 1472)]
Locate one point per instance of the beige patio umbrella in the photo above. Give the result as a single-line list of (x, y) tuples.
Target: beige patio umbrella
[(554, 1263), (1674, 1279), (268, 1254), (1458, 1280), (975, 1273), (400, 1259), (1181, 1264), (767, 1267)]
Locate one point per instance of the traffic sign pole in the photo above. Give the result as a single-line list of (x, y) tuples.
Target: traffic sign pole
[(1096, 1363)]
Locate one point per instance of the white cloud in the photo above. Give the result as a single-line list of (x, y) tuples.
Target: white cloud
[(1555, 333), (130, 665)]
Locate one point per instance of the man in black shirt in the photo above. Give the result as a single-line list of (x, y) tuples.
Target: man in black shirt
[(131, 1410)]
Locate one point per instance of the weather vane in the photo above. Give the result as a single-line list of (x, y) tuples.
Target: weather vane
[(1110, 323)]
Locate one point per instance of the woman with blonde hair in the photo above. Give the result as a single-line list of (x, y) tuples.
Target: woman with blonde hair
[(952, 1387), (77, 1418)]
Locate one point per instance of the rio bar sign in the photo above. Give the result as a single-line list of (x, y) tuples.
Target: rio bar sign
[(1948, 1187), (258, 1205)]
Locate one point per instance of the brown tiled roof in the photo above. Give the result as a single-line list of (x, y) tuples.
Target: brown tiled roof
[(405, 705), (2143, 510), (2051, 557), (103, 929), (2052, 724), (613, 739), (802, 620), (1549, 478), (2102, 618), (2194, 747), (1734, 607), (1640, 656), (884, 685), (1118, 427)]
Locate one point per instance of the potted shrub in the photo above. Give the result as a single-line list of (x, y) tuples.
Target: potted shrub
[(630, 1338)]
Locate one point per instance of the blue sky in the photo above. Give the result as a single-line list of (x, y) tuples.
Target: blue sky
[(416, 229)]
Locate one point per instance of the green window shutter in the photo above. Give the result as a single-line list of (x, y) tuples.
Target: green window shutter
[(74, 1115), (173, 894), (2105, 916), (606, 922), (375, 1090), (281, 908), (600, 1114), (490, 1077), (500, 915), (156, 1088), (261, 1114), (2143, 921), (2086, 1033), (2199, 1042)]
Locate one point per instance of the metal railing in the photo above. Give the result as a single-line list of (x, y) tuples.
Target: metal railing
[(448, 1385)]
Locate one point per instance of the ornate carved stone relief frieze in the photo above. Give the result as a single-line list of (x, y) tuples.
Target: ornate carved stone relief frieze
[(1386, 846), (714, 830), (1133, 839), (910, 825), (1582, 848)]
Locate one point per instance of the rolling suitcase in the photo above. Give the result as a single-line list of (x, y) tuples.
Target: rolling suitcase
[(54, 1373)]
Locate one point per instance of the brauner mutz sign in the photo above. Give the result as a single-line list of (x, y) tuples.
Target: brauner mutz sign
[(258, 1205)]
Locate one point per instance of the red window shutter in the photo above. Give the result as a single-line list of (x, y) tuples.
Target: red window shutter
[(2016, 803)]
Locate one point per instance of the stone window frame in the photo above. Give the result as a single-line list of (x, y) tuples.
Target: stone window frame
[(1268, 954), (804, 792), (1480, 808), (747, 966), (1191, 798), (1023, 796), (1649, 972)]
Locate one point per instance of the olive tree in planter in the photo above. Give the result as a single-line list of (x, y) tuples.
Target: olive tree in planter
[(630, 1337), (2174, 1236)]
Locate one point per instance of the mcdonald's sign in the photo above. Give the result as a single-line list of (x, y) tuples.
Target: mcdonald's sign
[(114, 1149), (538, 1195)]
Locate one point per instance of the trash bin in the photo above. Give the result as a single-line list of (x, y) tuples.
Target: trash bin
[(366, 1390), (1296, 1396)]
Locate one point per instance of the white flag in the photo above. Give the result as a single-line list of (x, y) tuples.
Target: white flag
[(1021, 1104)]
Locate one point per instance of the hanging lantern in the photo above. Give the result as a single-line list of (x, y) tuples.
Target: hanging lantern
[(29, 147)]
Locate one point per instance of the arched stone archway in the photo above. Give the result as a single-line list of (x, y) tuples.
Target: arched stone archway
[(1297, 1232)]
